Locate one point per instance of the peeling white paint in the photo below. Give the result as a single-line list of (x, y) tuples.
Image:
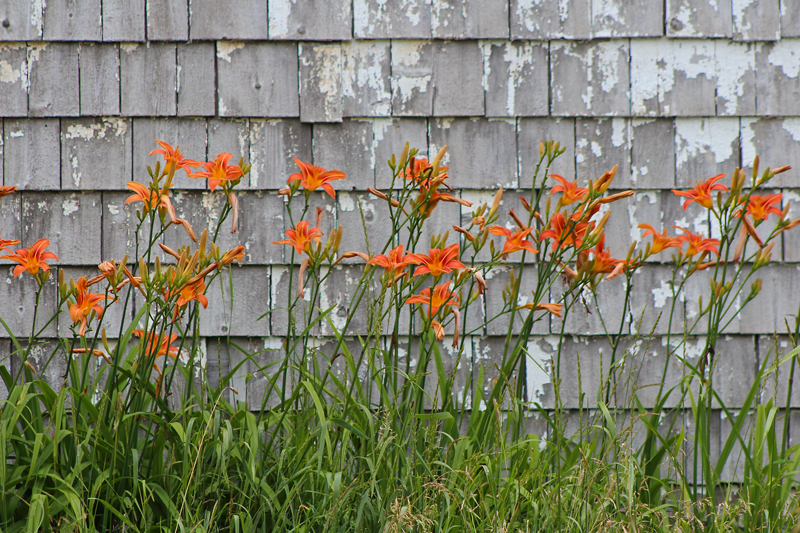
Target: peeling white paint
[(16, 134), (226, 48), (37, 15), (346, 202), (79, 131), (740, 21), (699, 136), (733, 62), (76, 174), (619, 132), (786, 55), (646, 74), (325, 73), (538, 365), (517, 57), (70, 205), (792, 127), (406, 55), (113, 209), (608, 55), (279, 13), (662, 294), (362, 66), (747, 140), (8, 74), (128, 47)]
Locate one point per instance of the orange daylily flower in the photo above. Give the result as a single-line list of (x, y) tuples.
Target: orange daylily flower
[(151, 199), (566, 233), (660, 240), (394, 262), (515, 241), (235, 254), (602, 262), (759, 207), (5, 243), (441, 297), (572, 193), (426, 204), (85, 303), (31, 259), (438, 261), (701, 193), (6, 189), (553, 309), (313, 177), (416, 167), (172, 155), (697, 243), (301, 236), (154, 341), (219, 171)]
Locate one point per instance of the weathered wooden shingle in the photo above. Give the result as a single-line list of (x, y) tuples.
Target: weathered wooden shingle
[(366, 79), (21, 21), (235, 19), (515, 75), (70, 221), (274, 144), (664, 71), (87, 145), (67, 20), (531, 132), (698, 18), (461, 19), (652, 158), (319, 20), (347, 147), (250, 298), (321, 97), (248, 85), (599, 145), (390, 136), (766, 314), (590, 79), (197, 76), (119, 226), (10, 221), (550, 19), (652, 301), (412, 76), (22, 291), (461, 61), (99, 79), (187, 134), (705, 147), (356, 211), (53, 70), (777, 76), (13, 80), (376, 19), (31, 156), (230, 136), (627, 18), (756, 21), (168, 20), (790, 19), (777, 143), (338, 294), (123, 20), (499, 308), (736, 78), (148, 79), (481, 153)]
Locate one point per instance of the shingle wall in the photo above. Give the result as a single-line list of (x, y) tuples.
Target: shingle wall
[(672, 91)]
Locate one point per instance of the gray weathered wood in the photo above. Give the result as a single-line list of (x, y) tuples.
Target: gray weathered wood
[(777, 143), (376, 218), (652, 154), (777, 75), (196, 79), (390, 136), (230, 136), (457, 75), (790, 19), (756, 21), (251, 299), (481, 153), (656, 299), (321, 98), (1, 151), (231, 19), (10, 222), (247, 82), (273, 146), (339, 294), (516, 74), (698, 18), (599, 145), (54, 90), (99, 79), (590, 79), (87, 145), (771, 312), (376, 19), (21, 21), (148, 81), (123, 20), (187, 134), (532, 131), (347, 147), (460, 19), (167, 20), (494, 293), (550, 19), (72, 20), (319, 20), (705, 147), (412, 76), (13, 80), (31, 159), (366, 79), (119, 225), (736, 78), (627, 18), (22, 291), (69, 220)]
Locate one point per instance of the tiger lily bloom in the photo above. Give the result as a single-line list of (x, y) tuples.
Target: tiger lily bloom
[(603, 263), (697, 243), (572, 193), (701, 193), (416, 167), (85, 303), (172, 155), (441, 297), (759, 207), (660, 240), (438, 261), (31, 259), (566, 233), (6, 189), (194, 289), (219, 171), (151, 199), (313, 177), (5, 243), (394, 262), (515, 241), (301, 236)]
